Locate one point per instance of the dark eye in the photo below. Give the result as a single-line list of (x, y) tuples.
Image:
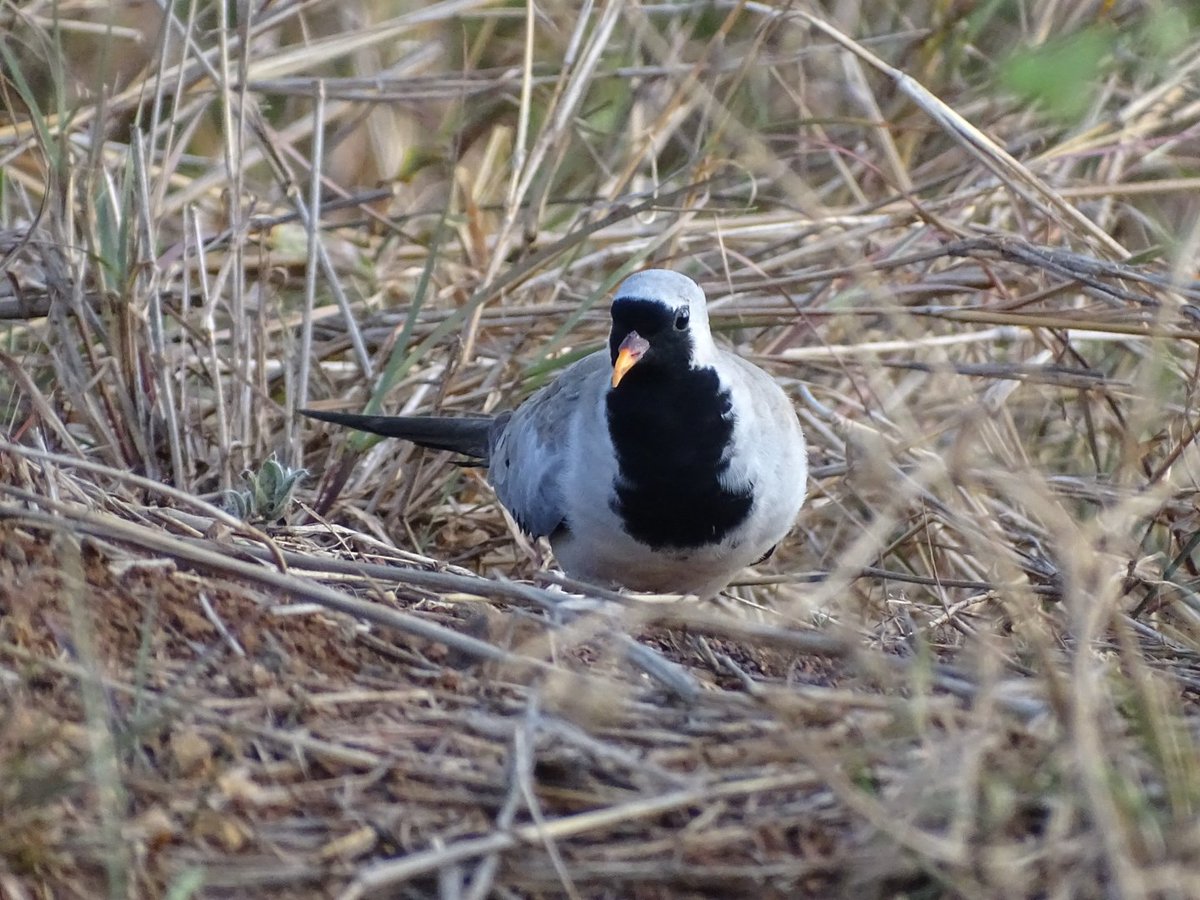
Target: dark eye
[(681, 321)]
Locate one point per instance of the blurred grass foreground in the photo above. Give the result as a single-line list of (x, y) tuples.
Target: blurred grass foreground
[(243, 655)]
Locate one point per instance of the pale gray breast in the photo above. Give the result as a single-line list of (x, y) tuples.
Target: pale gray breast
[(771, 445)]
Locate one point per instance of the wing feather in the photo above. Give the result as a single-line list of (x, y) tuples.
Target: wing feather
[(529, 452)]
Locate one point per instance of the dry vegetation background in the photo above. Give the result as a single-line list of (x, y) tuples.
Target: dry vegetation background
[(972, 671)]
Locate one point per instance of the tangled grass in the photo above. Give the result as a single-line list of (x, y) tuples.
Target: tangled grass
[(241, 655)]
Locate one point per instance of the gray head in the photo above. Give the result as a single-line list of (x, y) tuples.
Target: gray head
[(659, 319)]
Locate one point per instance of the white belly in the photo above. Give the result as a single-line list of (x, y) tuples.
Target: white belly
[(596, 548)]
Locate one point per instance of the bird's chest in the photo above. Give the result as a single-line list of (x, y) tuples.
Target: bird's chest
[(673, 442)]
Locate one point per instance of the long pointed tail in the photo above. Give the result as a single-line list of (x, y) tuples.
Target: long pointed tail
[(468, 435)]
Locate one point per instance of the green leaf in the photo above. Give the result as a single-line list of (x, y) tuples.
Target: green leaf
[(1061, 76)]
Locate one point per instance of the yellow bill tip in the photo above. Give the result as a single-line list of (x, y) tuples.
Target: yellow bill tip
[(631, 350), (625, 361)]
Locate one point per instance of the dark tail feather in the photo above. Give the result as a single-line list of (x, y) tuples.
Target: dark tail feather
[(468, 435)]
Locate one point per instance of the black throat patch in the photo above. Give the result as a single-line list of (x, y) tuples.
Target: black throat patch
[(670, 432)]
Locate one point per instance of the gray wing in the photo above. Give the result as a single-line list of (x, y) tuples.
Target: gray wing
[(529, 450)]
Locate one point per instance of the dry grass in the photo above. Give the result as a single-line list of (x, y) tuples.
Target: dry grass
[(972, 672)]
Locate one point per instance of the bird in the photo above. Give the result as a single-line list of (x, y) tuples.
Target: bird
[(661, 464)]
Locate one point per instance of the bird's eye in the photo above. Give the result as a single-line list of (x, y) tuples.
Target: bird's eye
[(681, 321)]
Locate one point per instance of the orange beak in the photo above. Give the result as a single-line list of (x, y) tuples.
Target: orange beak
[(631, 350)]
